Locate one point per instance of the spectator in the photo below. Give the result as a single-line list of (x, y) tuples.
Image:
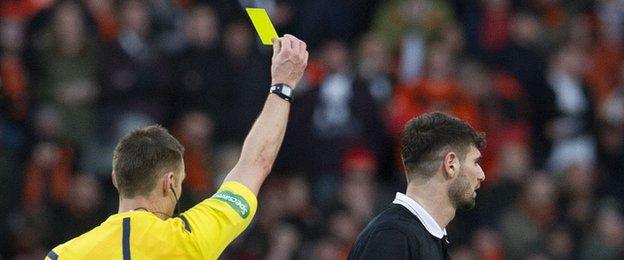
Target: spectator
[(359, 192), (523, 58), (437, 90), (48, 175), (283, 16), (67, 73), (104, 18), (572, 130), (494, 26), (83, 210), (23, 8), (606, 56), (611, 15), (28, 235), (374, 68), (334, 116), (525, 225), (14, 93), (560, 243), (134, 75), (344, 227), (395, 19), (14, 112), (577, 194), (50, 167), (247, 70), (194, 131), (411, 24), (611, 140), (607, 239), (501, 105), (284, 242), (321, 20), (487, 244), (298, 210), (226, 156), (199, 71), (167, 25), (327, 247)]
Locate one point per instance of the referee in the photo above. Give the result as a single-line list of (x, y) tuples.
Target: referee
[(148, 171), (441, 157)]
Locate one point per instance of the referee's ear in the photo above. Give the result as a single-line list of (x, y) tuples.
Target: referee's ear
[(450, 165), (168, 181)]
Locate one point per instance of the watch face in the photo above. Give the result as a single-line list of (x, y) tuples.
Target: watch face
[(287, 91)]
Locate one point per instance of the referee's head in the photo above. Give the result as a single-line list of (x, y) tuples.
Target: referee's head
[(148, 164), (441, 149)]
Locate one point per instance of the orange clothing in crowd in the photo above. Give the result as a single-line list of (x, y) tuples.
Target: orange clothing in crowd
[(198, 177), (605, 67), (554, 16), (56, 181), (501, 131), (106, 24), (315, 73), (23, 8), (14, 85), (426, 96)]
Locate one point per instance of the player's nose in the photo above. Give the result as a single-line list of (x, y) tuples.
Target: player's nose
[(481, 176)]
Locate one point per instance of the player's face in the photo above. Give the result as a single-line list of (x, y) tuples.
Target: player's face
[(462, 191)]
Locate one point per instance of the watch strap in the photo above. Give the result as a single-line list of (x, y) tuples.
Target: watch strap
[(283, 91)]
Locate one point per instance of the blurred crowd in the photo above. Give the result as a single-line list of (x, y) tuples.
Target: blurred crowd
[(543, 78)]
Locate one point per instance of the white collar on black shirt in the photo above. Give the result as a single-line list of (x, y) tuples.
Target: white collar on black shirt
[(430, 224)]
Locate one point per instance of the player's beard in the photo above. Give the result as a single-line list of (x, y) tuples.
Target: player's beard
[(460, 193)]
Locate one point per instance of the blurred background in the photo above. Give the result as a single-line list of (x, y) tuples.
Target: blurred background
[(543, 78)]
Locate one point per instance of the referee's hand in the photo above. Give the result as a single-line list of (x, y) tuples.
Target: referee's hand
[(290, 59)]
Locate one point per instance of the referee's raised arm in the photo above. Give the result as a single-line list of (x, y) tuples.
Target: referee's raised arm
[(215, 222), (260, 148), (148, 171)]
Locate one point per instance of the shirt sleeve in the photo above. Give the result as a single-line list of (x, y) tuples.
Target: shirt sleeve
[(218, 220), (386, 244)]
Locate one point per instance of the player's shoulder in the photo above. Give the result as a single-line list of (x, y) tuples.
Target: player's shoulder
[(395, 215), (395, 218)]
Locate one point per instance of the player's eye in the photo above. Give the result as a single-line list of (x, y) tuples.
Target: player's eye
[(478, 161)]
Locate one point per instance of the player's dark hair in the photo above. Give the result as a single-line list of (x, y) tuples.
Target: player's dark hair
[(427, 138), (143, 156)]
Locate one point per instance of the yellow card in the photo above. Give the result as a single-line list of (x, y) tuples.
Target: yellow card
[(263, 25)]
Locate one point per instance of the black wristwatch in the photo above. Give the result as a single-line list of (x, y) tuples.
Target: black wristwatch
[(282, 90)]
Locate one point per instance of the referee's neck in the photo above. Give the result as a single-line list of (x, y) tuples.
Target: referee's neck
[(434, 200), (142, 203)]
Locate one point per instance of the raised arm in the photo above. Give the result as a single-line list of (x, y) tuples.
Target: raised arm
[(260, 148)]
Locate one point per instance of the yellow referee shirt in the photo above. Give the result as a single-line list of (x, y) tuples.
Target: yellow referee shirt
[(202, 232)]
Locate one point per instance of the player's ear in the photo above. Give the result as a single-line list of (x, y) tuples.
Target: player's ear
[(167, 181), (451, 165)]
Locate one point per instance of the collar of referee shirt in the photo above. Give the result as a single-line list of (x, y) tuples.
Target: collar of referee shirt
[(430, 224), (154, 212)]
